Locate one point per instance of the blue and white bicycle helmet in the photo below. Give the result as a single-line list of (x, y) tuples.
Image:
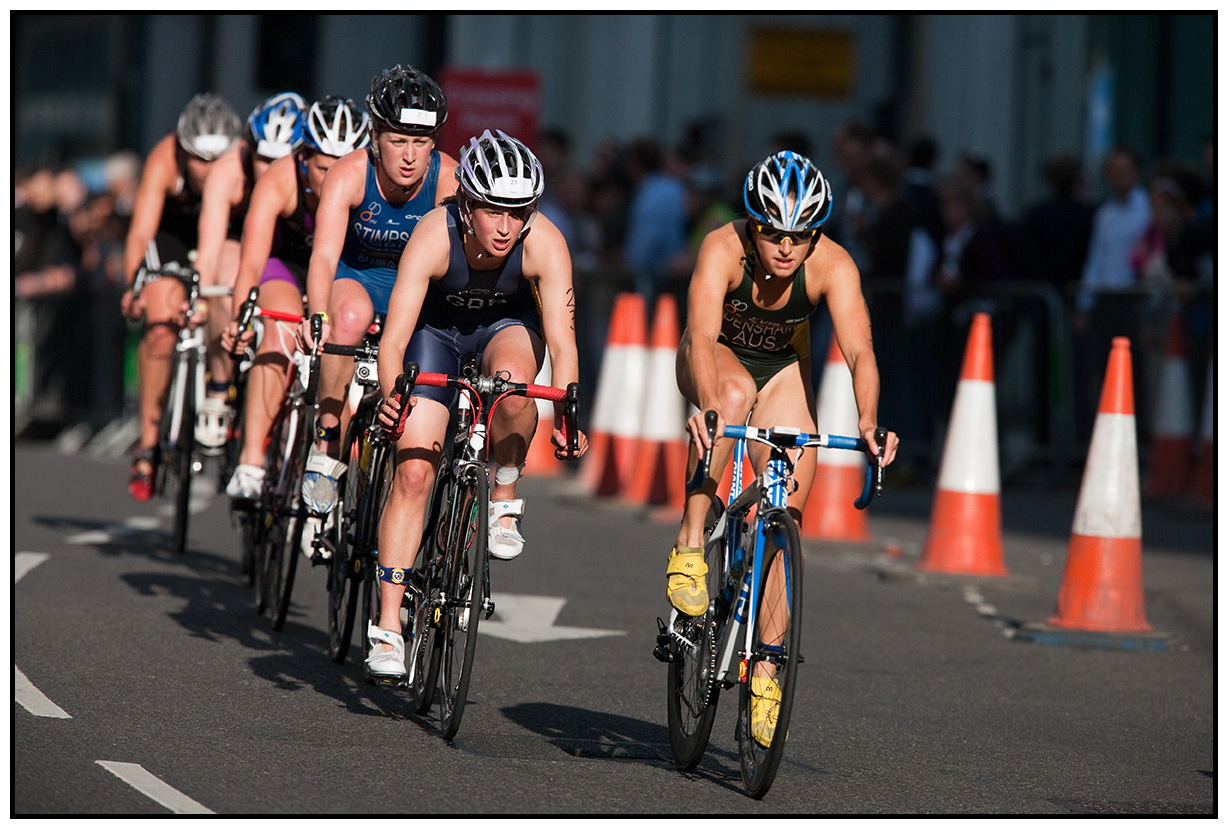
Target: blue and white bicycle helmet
[(787, 193), (499, 170), (208, 127), (276, 126), (336, 126)]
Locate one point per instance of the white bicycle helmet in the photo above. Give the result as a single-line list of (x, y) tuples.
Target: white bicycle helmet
[(276, 126), (787, 192), (336, 126), (499, 170), (208, 127)]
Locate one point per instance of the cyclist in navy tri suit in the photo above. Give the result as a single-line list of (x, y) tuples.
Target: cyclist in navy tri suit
[(166, 215), (277, 243), (472, 280), (372, 200), (745, 355)]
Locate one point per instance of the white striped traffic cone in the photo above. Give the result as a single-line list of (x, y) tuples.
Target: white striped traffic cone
[(619, 401), (965, 535), (1102, 589), (659, 473), (839, 475), (1172, 437)]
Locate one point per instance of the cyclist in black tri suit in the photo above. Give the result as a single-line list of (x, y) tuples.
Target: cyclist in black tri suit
[(483, 275), (277, 241), (745, 355), (166, 214)]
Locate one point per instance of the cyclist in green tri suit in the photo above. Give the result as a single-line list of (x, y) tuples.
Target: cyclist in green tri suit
[(745, 354)]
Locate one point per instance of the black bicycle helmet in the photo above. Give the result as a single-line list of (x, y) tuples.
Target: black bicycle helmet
[(408, 101)]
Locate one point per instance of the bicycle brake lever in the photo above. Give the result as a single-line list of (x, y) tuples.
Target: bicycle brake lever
[(404, 385), (705, 462), (571, 418)]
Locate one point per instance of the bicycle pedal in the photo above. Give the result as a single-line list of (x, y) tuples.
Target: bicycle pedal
[(662, 651), (388, 681)]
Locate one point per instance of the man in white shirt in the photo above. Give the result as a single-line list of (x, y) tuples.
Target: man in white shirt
[(1117, 225)]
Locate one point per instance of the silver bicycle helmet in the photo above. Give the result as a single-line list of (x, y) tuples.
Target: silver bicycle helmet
[(276, 126), (406, 100), (499, 170), (787, 192), (336, 126), (208, 127)]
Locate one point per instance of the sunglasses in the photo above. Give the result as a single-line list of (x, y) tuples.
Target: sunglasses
[(777, 237)]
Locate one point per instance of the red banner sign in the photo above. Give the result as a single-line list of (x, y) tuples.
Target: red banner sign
[(482, 99)]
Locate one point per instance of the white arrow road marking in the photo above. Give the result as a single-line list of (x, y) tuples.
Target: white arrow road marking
[(132, 526), (32, 699), (530, 619), (153, 788)]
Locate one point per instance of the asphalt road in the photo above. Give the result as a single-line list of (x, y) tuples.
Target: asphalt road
[(145, 684)]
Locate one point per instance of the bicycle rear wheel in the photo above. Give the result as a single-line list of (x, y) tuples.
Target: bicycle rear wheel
[(181, 459), (424, 596), (346, 547), (293, 515), (691, 687), (464, 595), (779, 600)]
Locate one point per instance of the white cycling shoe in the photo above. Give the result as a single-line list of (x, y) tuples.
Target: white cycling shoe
[(506, 542), (313, 527), (246, 482), (386, 661)]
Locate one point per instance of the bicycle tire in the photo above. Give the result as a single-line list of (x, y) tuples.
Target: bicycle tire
[(422, 631), (276, 506), (181, 463), (262, 518), (343, 566), (464, 597), (293, 515), (759, 763), (364, 589), (691, 686)]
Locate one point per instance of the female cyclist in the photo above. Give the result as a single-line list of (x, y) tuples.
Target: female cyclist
[(281, 220), (745, 353), (274, 130), (472, 280), (166, 214), (371, 202)]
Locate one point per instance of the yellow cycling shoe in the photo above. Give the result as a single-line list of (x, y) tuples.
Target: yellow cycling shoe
[(764, 708), (687, 590)]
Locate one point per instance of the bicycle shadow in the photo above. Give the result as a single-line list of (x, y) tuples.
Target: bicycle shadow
[(588, 734)]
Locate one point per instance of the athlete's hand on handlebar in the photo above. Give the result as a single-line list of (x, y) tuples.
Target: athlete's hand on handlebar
[(561, 449), (882, 454), (698, 427), (132, 305), (233, 341), (306, 342)]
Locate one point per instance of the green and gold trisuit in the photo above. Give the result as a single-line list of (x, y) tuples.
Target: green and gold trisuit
[(766, 342)]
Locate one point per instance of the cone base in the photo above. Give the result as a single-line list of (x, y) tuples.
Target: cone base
[(829, 512), (965, 535), (1102, 589), (1044, 634)]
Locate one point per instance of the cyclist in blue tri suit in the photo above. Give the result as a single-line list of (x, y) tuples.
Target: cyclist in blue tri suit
[(372, 201), (472, 280), (745, 354), (277, 243), (166, 214), (274, 130)]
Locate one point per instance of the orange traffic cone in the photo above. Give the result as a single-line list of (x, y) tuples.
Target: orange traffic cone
[(1202, 482), (839, 474), (659, 471), (1102, 589), (965, 534), (540, 462), (619, 400), (1172, 438)]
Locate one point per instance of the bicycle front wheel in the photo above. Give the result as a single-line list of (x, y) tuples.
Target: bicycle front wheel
[(423, 598), (181, 459), (344, 537), (464, 594), (692, 689), (771, 671), (364, 588), (293, 516)]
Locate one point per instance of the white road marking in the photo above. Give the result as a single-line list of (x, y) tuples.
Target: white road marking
[(30, 698), (135, 524), (530, 619), (25, 562), (153, 788), (34, 700)]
